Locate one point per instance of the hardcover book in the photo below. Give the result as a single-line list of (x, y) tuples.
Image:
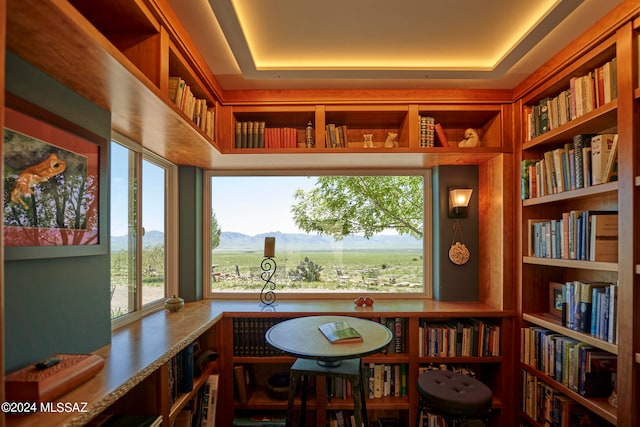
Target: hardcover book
[(340, 332)]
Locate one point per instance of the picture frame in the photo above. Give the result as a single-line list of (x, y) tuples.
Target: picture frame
[(555, 300), (55, 197)]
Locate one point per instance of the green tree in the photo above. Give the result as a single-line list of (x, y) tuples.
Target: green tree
[(340, 206), (215, 232)]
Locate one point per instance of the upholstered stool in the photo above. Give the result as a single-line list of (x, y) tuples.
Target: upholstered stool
[(454, 396), (348, 369)]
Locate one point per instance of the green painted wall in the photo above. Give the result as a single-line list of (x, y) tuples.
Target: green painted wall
[(56, 305)]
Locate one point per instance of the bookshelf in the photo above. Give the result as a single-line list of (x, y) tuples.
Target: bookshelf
[(404, 353), (613, 40)]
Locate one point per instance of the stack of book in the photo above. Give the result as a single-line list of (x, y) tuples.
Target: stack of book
[(427, 131), (336, 136), (588, 160), (582, 368), (470, 337), (196, 109), (590, 307), (584, 94), (383, 379), (181, 373), (248, 337), (578, 235), (548, 407)]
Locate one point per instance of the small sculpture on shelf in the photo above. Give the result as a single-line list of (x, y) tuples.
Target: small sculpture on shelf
[(309, 137), (368, 140), (392, 140), (471, 139)]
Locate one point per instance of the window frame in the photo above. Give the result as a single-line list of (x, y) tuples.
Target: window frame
[(171, 229), (427, 291)]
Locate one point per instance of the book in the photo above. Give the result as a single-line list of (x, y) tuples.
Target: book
[(211, 403), (31, 384), (442, 137), (243, 384), (611, 171), (600, 150), (340, 332), (604, 238)]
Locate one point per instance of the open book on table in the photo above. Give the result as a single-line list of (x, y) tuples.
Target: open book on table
[(340, 332)]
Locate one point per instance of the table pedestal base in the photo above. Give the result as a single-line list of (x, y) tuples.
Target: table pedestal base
[(348, 369)]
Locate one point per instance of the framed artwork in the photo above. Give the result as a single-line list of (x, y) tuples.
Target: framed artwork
[(555, 300), (52, 190)]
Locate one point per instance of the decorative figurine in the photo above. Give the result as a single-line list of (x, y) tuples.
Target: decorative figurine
[(309, 135), (363, 302), (392, 140), (471, 139), (368, 140), (174, 303)]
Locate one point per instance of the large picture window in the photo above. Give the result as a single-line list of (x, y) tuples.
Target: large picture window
[(335, 233)]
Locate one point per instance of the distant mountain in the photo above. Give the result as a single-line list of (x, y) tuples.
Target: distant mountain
[(232, 241), (149, 240)]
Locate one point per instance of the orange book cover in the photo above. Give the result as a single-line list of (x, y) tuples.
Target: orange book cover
[(31, 384)]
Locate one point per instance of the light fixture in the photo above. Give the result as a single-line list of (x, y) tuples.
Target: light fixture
[(459, 202)]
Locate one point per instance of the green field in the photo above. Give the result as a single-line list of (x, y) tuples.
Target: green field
[(371, 271)]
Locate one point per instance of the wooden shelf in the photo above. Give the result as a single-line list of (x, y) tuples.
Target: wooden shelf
[(542, 319), (571, 263), (99, 71), (581, 193), (599, 406), (593, 122)]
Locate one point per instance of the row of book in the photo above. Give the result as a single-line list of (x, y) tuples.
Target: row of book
[(431, 132), (590, 308), (585, 93), (201, 410), (458, 338), (196, 109), (336, 136), (254, 134), (181, 372), (586, 161), (248, 337), (582, 368), (383, 379), (578, 235), (347, 419), (548, 407)]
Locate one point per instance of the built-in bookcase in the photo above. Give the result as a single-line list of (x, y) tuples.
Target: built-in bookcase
[(356, 120), (553, 325), (390, 376)]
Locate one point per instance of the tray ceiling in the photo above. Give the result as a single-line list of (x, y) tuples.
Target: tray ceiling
[(279, 44)]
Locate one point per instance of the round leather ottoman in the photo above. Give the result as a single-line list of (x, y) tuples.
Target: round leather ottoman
[(453, 395)]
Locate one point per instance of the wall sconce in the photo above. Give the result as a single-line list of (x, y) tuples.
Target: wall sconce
[(459, 202)]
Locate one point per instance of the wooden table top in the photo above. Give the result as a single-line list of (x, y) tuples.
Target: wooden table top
[(300, 337)]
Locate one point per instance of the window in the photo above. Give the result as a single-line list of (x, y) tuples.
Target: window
[(335, 233), (141, 189)]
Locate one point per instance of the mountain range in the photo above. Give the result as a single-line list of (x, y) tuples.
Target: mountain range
[(233, 241)]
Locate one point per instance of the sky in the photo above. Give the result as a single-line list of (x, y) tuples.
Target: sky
[(255, 205), (152, 196)]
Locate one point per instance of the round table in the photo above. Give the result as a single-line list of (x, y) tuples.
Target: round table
[(301, 338)]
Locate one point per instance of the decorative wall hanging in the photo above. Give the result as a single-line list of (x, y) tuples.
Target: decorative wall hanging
[(458, 252)]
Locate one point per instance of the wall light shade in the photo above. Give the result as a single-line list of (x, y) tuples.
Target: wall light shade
[(459, 202)]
